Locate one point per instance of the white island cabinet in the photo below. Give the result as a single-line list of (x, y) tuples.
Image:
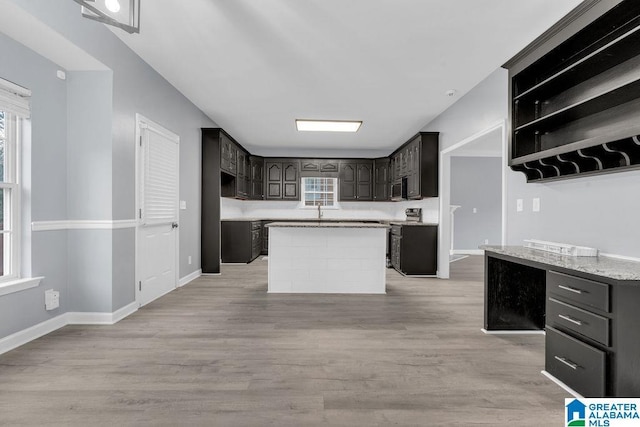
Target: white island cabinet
[(327, 257)]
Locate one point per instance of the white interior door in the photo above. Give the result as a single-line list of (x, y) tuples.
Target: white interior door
[(157, 234)]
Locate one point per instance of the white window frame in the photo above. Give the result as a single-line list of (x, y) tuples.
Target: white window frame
[(303, 193), (14, 101), (11, 199)]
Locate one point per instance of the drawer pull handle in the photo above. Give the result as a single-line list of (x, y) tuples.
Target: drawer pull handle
[(566, 362), (569, 319), (570, 289)]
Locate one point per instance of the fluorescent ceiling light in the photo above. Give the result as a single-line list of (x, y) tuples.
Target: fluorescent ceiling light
[(328, 125)]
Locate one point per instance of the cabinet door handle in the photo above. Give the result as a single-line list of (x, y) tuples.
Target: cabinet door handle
[(572, 365), (570, 319), (570, 289)]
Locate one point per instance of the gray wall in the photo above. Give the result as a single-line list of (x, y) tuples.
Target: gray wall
[(83, 166), (45, 197), (483, 106), (476, 182), (599, 211)]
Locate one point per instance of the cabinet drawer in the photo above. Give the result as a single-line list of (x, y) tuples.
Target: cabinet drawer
[(575, 363), (577, 289), (575, 319)]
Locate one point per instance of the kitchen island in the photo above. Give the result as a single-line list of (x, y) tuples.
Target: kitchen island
[(327, 257)]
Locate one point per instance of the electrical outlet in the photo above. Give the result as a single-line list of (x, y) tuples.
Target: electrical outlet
[(183, 204), (519, 205), (536, 204), (189, 259), (51, 299)]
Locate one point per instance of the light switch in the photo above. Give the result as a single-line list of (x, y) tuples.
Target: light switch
[(519, 205), (536, 204), (183, 204), (475, 210)]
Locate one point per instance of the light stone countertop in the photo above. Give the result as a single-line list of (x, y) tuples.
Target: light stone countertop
[(327, 224), (612, 268), (367, 220)]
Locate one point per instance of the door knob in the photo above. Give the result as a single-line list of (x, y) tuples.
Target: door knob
[(174, 225)]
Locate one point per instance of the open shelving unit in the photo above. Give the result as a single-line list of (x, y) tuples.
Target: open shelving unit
[(575, 110)]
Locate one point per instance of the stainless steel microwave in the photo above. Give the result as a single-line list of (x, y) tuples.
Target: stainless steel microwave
[(399, 190)]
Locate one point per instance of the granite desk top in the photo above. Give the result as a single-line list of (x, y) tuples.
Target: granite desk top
[(328, 224), (612, 268)]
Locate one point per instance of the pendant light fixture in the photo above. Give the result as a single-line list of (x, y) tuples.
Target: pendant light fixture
[(124, 14)]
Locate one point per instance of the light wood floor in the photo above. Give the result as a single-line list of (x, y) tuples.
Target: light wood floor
[(221, 352)]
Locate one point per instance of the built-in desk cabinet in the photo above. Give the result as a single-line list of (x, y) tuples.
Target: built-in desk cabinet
[(592, 342)]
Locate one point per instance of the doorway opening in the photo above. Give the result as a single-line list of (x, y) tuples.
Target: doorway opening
[(472, 195)]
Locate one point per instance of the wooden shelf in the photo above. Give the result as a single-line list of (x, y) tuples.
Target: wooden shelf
[(606, 33), (584, 108), (609, 55), (575, 110), (623, 154)]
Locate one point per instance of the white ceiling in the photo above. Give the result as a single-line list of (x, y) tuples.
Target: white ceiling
[(255, 66), (18, 24)]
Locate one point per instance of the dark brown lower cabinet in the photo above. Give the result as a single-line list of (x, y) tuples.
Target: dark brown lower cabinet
[(265, 238), (575, 363), (241, 241), (414, 249)]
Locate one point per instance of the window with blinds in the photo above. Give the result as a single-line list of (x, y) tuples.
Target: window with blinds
[(319, 191), (14, 109)]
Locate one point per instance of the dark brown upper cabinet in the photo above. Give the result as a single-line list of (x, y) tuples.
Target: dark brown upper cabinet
[(356, 180), (382, 179), (282, 179), (319, 167), (228, 154), (257, 177), (575, 95), (417, 161)]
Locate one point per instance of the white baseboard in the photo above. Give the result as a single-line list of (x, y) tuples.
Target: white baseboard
[(19, 338), (189, 278), (562, 385), (466, 252), (125, 311), (81, 318), (24, 336)]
